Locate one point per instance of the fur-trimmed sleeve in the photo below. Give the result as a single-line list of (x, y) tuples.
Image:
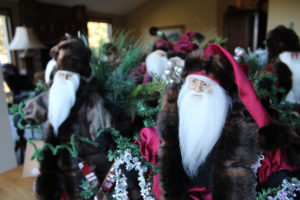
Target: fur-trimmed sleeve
[(173, 180), (167, 119)]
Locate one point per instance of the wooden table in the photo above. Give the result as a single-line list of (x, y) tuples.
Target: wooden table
[(14, 187)]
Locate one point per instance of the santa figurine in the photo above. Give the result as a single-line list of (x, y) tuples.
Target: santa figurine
[(166, 60), (284, 51), (213, 131), (70, 106)]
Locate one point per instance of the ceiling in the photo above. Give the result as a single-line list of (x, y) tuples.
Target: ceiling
[(116, 7)]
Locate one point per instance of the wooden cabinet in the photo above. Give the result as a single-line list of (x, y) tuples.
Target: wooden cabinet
[(245, 28)]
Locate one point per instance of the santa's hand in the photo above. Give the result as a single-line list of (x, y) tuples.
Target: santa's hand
[(167, 119), (36, 109)]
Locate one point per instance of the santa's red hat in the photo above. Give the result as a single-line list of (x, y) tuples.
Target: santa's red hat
[(245, 89)]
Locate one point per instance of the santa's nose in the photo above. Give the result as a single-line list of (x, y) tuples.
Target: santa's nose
[(199, 88)]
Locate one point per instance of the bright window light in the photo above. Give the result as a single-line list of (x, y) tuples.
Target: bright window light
[(98, 32), (5, 56)]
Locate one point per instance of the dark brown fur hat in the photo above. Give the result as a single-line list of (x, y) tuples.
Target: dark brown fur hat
[(214, 66), (281, 39), (72, 55)]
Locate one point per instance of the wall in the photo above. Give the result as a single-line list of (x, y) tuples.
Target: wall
[(284, 12), (7, 154), (196, 15)]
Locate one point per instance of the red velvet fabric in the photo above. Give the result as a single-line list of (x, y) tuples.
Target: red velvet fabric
[(197, 193), (149, 145), (64, 195), (273, 162), (245, 89)]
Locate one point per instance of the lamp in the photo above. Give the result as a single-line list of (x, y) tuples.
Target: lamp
[(24, 40)]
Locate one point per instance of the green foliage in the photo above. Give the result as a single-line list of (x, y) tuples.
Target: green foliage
[(39, 153), (265, 194), (265, 86), (87, 191), (124, 143), (254, 63), (288, 115), (118, 84), (286, 110), (270, 91), (149, 122), (145, 100), (17, 110), (292, 26), (41, 86), (115, 85), (117, 88), (217, 40)]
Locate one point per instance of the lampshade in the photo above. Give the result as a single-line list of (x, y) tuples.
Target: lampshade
[(25, 39)]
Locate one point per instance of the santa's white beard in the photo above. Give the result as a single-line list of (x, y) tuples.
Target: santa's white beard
[(156, 63), (201, 121), (62, 97)]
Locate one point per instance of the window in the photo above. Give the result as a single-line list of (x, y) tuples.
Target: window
[(98, 32), (5, 55)]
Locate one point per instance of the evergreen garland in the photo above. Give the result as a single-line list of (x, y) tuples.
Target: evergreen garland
[(144, 96), (255, 64), (39, 153), (118, 89), (266, 193), (17, 109)]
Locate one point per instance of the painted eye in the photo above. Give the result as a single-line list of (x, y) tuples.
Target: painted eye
[(194, 81), (204, 84)]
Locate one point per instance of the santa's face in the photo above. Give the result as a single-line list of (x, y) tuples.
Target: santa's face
[(199, 86), (62, 97), (203, 106)]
